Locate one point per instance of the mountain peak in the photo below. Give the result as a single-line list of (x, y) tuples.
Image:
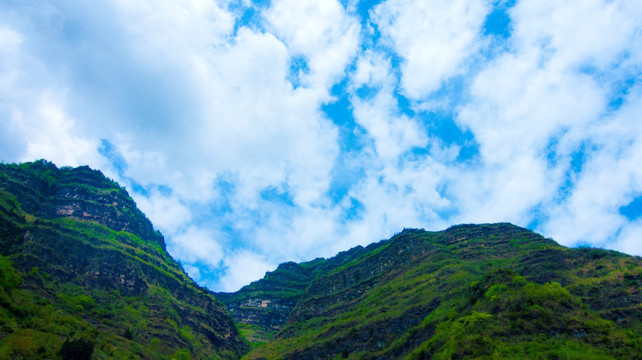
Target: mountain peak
[(95, 277), (79, 193), (446, 294), (83, 271)]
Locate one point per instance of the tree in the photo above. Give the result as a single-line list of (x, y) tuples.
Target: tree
[(77, 349)]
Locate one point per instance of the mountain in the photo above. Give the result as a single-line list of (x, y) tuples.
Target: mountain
[(262, 308), (492, 291), (83, 273)]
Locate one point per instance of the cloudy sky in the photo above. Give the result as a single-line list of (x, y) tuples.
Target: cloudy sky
[(257, 132)]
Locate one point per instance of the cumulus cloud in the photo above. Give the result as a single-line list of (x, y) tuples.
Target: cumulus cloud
[(48, 132), (36, 120), (609, 179), (260, 128), (434, 39), (393, 132), (313, 127), (319, 30), (196, 245), (629, 240), (543, 116), (193, 271), (243, 268), (168, 212)]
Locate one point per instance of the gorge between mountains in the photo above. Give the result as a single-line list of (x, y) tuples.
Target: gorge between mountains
[(84, 275)]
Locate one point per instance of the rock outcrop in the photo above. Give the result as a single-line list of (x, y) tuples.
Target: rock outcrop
[(70, 232), (471, 291)]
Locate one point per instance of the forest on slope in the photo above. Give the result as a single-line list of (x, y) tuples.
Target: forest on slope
[(472, 291), (83, 274)]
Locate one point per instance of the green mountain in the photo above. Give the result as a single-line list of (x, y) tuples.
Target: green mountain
[(494, 291), (83, 274)]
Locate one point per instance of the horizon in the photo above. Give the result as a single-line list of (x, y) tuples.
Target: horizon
[(252, 133)]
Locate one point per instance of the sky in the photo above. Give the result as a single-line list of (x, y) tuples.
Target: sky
[(257, 132)]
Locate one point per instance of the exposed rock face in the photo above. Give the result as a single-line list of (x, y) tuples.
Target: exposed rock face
[(412, 295), (77, 193), (84, 232), (265, 305), (91, 263)]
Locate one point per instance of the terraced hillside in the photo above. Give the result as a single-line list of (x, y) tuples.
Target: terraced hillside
[(84, 274), (471, 291)]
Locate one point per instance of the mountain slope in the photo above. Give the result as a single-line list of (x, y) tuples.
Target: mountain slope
[(472, 291), (84, 275), (83, 272), (263, 307)]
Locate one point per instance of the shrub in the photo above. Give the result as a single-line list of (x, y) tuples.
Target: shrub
[(78, 349)]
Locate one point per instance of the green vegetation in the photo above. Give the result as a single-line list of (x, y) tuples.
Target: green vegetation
[(484, 292), (84, 275), (267, 303)]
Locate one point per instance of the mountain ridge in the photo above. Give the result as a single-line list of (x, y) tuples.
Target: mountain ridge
[(85, 275), (404, 296), (95, 273)]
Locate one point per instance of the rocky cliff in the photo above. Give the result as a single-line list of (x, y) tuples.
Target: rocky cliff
[(94, 273), (84, 275), (471, 291), (263, 307)]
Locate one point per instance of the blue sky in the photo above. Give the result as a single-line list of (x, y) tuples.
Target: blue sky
[(257, 132)]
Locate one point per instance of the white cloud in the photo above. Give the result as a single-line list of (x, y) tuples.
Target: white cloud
[(193, 271), (629, 239), (546, 101), (395, 198), (372, 69), (435, 38), (167, 213), (49, 134), (262, 131), (242, 268), (11, 141), (393, 133), (196, 245), (507, 192), (239, 163), (610, 179), (169, 31), (589, 33), (321, 31), (9, 38), (10, 42), (518, 106), (34, 117)]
